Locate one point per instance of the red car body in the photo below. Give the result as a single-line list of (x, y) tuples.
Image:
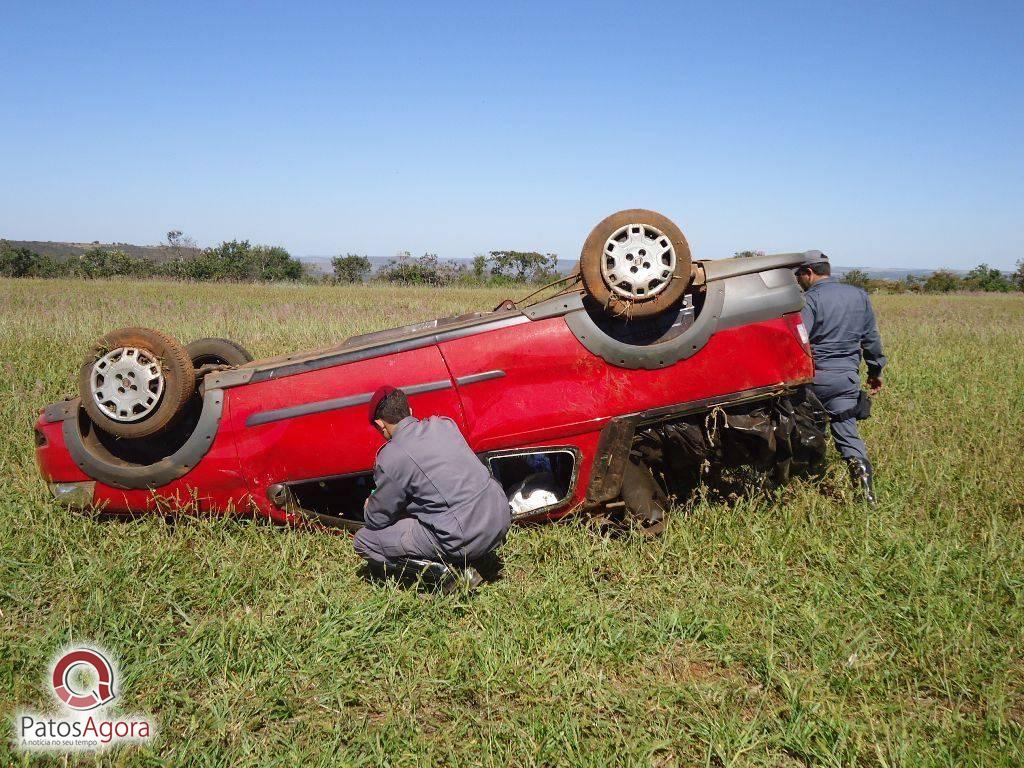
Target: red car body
[(511, 379)]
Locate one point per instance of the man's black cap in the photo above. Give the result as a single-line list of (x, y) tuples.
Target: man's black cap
[(813, 257)]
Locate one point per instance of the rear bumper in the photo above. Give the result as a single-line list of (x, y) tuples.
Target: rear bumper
[(52, 456), (203, 474)]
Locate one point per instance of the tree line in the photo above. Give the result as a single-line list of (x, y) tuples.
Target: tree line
[(235, 260), (242, 261), (983, 278), (496, 268)]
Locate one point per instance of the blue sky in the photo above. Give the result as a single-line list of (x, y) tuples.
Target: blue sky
[(884, 134)]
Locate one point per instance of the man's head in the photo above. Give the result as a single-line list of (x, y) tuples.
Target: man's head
[(388, 406), (815, 267)]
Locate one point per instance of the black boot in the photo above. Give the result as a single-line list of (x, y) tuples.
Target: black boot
[(862, 479), (447, 577), (411, 571)]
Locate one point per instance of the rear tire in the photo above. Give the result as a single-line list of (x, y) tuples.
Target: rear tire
[(107, 394), (214, 351), (639, 270)]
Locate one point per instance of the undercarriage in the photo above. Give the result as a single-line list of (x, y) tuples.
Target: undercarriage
[(767, 441)]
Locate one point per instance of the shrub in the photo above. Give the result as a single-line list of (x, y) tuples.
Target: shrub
[(350, 268), (943, 281), (273, 263), (986, 278), (17, 262), (236, 260), (425, 270), (102, 263), (859, 278), (523, 266), (889, 286), (913, 283), (480, 266)]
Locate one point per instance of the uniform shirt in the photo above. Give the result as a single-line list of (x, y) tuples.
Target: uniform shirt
[(841, 325), (428, 471)]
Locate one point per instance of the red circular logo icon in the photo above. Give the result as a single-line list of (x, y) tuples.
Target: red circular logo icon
[(83, 679)]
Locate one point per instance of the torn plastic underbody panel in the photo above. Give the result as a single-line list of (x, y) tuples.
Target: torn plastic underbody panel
[(779, 437)]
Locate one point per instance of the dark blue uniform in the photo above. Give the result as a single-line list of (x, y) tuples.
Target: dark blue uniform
[(434, 500), (841, 324)]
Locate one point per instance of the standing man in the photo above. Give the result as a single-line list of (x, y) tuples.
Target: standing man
[(841, 325), (435, 502)]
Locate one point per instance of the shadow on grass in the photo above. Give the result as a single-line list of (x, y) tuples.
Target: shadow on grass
[(432, 580)]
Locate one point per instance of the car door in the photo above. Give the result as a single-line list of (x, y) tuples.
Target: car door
[(315, 424), (528, 383)]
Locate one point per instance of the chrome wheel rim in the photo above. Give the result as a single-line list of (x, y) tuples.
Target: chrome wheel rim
[(638, 262), (126, 383)]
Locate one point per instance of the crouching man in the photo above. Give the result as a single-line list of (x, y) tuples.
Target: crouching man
[(435, 507)]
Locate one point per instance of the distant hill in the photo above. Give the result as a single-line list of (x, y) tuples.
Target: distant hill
[(65, 251)]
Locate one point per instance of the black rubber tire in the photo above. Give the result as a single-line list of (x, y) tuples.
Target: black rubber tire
[(214, 351), (593, 254), (179, 381)]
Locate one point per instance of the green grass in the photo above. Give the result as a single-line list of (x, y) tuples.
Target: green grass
[(805, 631)]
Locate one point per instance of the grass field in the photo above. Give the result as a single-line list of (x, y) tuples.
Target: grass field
[(805, 630)]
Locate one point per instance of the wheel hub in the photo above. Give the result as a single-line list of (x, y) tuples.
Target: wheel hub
[(127, 383), (638, 263)]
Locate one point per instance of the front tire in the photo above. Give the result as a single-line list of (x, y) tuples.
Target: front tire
[(135, 382), (214, 351)]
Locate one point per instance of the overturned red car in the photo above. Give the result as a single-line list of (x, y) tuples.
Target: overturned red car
[(645, 374)]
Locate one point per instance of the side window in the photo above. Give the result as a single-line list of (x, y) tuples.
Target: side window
[(535, 480), (338, 500)]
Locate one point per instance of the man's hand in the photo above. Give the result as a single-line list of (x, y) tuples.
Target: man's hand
[(874, 384)]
